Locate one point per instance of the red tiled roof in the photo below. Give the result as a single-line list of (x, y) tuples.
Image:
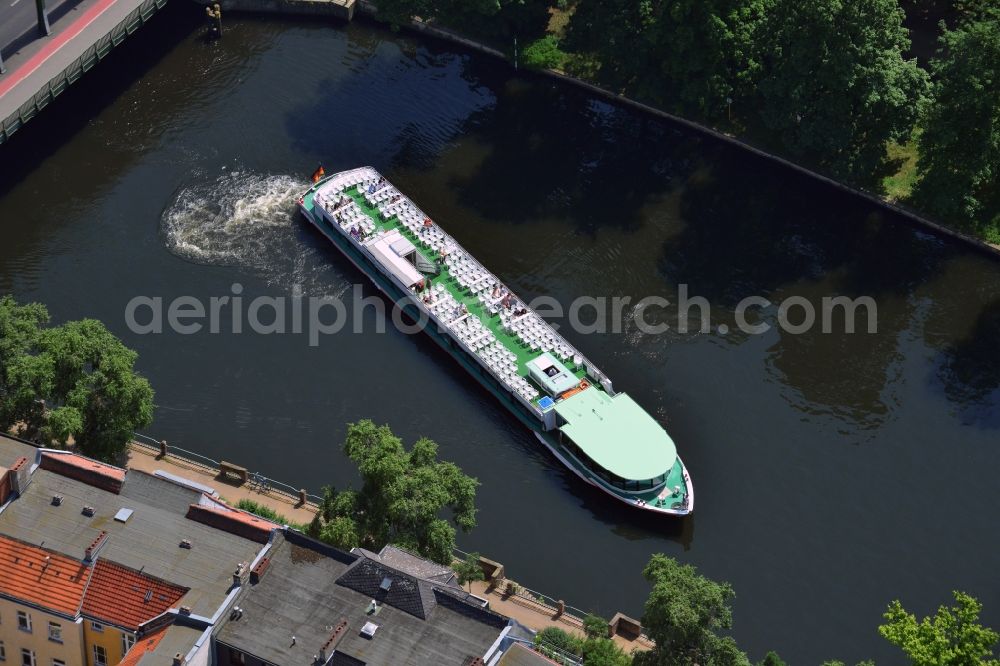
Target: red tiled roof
[(41, 576), (126, 598), (233, 521), (91, 472), (143, 646)]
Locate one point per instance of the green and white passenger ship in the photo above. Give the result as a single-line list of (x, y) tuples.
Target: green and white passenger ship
[(604, 437)]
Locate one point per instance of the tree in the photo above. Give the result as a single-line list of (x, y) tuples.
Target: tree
[(835, 87), (401, 498), (618, 33), (771, 659), (683, 615), (469, 570), (604, 652), (953, 637), (72, 381), (959, 164), (595, 626), (705, 53)]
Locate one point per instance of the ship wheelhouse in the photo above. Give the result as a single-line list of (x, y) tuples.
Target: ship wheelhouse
[(615, 439)]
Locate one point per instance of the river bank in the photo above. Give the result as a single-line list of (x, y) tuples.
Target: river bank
[(176, 171), (532, 609), (345, 9), (429, 28)]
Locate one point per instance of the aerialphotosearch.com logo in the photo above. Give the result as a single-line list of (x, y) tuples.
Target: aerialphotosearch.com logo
[(319, 316)]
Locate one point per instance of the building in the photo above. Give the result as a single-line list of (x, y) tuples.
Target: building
[(308, 603), (97, 559), (100, 566)]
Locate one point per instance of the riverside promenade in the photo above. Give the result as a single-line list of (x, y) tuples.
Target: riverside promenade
[(534, 610)]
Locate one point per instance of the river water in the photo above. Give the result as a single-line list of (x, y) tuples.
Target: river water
[(834, 472)]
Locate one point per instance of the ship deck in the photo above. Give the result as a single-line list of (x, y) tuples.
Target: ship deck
[(503, 336), (489, 315)]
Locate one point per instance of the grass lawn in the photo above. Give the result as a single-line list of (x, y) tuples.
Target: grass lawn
[(899, 185)]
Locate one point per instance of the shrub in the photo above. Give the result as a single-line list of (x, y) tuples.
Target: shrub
[(544, 53)]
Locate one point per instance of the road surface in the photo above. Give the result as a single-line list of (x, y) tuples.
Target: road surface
[(18, 22)]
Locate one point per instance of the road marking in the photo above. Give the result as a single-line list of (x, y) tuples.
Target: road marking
[(14, 3), (59, 40)]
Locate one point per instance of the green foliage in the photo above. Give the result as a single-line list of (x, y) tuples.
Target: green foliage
[(469, 570), (684, 614), (267, 512), (604, 652), (85, 375), (953, 637), (834, 85), (544, 53), (772, 659), (402, 496), (559, 645), (706, 53), (688, 55), (959, 167), (595, 626)]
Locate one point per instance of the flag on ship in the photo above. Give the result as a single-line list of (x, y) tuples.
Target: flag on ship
[(318, 173)]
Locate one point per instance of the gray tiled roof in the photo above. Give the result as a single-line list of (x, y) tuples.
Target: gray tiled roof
[(406, 593), (309, 587)]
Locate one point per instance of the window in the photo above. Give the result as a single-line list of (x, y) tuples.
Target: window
[(58, 662), (27, 658), (128, 640), (3, 652), (96, 626), (100, 656), (236, 657), (23, 621), (55, 632)]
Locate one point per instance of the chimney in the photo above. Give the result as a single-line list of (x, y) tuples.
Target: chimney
[(184, 610), (57, 500), (185, 543), (88, 511), (179, 659), (337, 635), (19, 475), (258, 571), (95, 546)]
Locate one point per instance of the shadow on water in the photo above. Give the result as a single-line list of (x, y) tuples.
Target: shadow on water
[(552, 151), (383, 105), (970, 369), (740, 236)]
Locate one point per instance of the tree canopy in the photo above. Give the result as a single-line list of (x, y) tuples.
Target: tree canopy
[(469, 570), (691, 56), (835, 85), (953, 637), (402, 496), (684, 614), (959, 166), (74, 381)]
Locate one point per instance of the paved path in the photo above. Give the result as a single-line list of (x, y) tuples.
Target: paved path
[(539, 616), (147, 459)]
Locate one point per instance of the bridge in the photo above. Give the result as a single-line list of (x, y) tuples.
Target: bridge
[(47, 45)]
